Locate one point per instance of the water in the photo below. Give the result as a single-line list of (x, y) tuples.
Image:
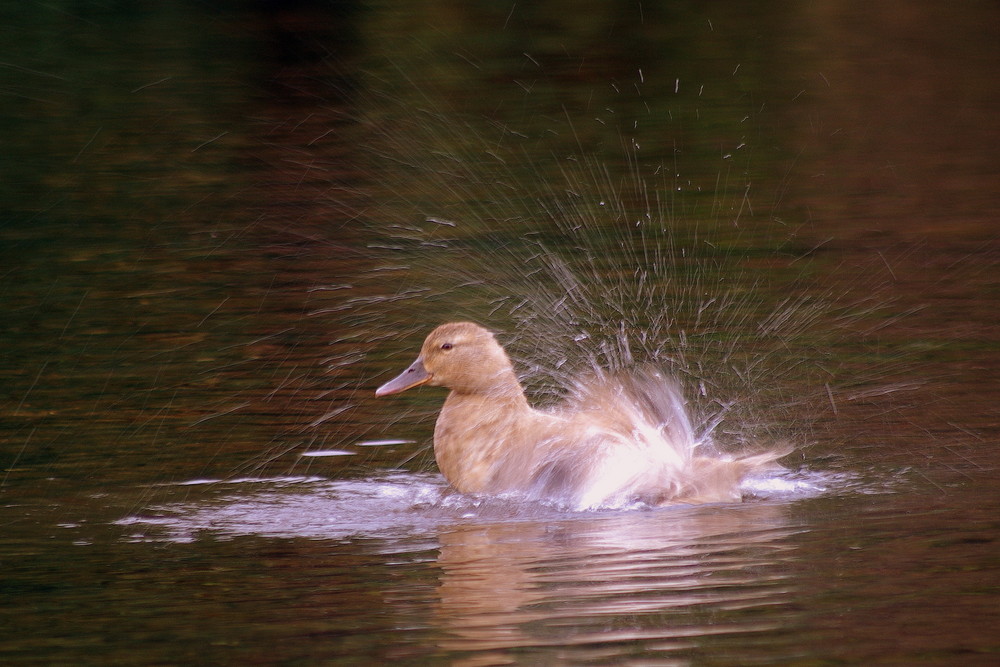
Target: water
[(224, 227)]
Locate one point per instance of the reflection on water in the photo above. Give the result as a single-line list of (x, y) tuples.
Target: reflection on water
[(600, 581), (513, 575)]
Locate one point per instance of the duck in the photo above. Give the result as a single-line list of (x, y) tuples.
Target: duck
[(621, 438)]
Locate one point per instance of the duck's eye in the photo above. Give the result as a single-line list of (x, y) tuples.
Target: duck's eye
[(446, 346)]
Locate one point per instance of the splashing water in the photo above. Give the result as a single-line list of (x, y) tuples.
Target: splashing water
[(585, 263), (394, 506), (583, 271)]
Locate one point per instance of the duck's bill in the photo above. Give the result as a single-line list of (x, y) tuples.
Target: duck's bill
[(415, 375)]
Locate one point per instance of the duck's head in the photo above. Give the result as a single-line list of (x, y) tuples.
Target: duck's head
[(461, 356)]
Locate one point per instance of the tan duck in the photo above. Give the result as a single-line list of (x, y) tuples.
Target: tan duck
[(620, 440)]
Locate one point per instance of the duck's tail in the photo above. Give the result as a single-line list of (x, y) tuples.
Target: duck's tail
[(714, 480)]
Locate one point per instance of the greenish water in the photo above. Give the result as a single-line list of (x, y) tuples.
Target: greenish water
[(223, 226)]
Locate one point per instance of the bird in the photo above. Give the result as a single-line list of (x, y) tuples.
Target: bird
[(623, 438)]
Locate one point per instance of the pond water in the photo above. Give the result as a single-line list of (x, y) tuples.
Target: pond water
[(225, 224)]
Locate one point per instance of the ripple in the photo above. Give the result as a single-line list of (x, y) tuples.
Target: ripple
[(398, 504)]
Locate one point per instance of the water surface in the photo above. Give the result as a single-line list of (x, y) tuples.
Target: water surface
[(223, 227)]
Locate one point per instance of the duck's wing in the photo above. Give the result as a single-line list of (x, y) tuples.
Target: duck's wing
[(645, 407)]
